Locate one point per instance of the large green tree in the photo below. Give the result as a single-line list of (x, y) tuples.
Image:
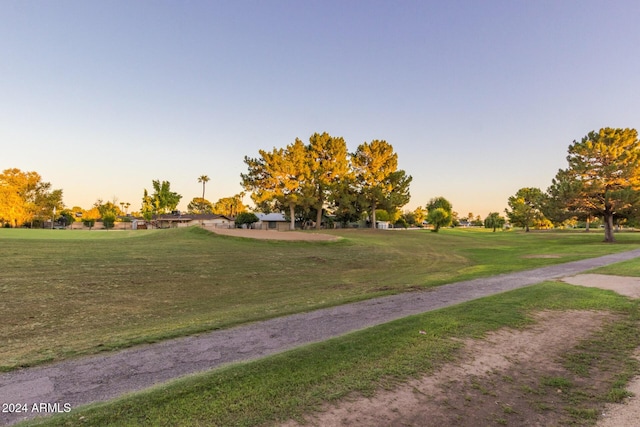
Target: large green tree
[(555, 206), (603, 176), (108, 212), (562, 203), (439, 213), (525, 207), (162, 200), (328, 166), (46, 202), (379, 181), (494, 220), (246, 219), (279, 175), (347, 202)]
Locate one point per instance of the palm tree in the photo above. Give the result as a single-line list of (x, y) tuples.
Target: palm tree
[(203, 179)]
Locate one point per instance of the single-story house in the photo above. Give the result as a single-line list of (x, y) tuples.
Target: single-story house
[(175, 220), (272, 221)]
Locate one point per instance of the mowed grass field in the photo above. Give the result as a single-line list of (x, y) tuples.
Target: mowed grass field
[(298, 382), (65, 293), (626, 268)]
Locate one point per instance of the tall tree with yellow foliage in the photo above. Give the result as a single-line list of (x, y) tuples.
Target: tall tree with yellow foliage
[(379, 181), (280, 175), (25, 198), (329, 166)]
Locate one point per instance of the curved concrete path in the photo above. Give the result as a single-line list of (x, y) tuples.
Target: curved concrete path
[(102, 377)]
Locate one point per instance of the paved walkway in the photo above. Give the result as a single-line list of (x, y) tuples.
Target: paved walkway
[(98, 378)]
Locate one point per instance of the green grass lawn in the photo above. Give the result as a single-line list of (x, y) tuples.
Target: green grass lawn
[(625, 268), (296, 382), (64, 293)]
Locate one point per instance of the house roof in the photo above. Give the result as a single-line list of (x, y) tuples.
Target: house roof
[(274, 216)]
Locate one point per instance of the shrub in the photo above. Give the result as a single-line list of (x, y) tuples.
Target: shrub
[(108, 220), (246, 218)]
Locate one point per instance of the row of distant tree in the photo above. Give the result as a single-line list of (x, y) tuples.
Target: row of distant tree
[(600, 184), (439, 213), (311, 183), (27, 200), (320, 180), (163, 201)]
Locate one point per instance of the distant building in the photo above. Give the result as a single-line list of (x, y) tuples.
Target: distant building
[(176, 219), (272, 221), (383, 225)]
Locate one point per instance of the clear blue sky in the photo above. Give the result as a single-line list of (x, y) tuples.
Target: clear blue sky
[(478, 98)]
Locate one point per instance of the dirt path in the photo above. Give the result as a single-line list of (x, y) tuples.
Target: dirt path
[(474, 391), (624, 414), (102, 377), (480, 388), (628, 286)]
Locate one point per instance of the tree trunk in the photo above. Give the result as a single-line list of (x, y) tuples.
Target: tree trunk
[(586, 228), (608, 227), (292, 216), (319, 218), (373, 215)]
